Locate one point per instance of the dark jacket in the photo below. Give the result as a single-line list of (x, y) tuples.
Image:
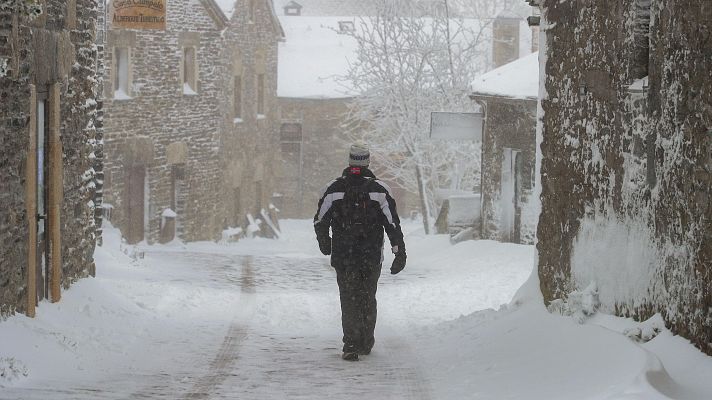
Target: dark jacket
[(351, 247)]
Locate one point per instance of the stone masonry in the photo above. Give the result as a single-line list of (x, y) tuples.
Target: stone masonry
[(50, 60), (323, 147), (511, 124), (250, 145), (188, 150), (627, 158)]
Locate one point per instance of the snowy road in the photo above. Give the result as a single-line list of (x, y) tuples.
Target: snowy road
[(262, 352), (260, 320)]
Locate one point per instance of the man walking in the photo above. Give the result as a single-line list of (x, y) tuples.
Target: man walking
[(358, 207)]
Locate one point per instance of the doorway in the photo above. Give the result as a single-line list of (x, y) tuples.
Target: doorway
[(136, 185), (43, 265), (511, 211)]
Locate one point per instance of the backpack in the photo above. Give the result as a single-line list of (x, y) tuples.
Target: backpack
[(354, 207)]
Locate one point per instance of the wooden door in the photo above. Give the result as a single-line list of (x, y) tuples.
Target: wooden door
[(516, 232), (510, 194), (42, 265), (136, 203)]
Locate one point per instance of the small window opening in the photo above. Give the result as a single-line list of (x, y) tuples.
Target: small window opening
[(346, 26), (121, 75), (237, 206), (641, 32), (237, 97), (293, 9), (261, 95), (291, 137), (189, 72), (251, 10)]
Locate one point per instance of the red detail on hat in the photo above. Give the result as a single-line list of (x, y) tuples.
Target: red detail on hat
[(356, 170)]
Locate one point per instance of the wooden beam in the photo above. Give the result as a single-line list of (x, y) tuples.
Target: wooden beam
[(56, 188), (31, 206)]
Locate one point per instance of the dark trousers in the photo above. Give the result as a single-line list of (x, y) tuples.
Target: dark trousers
[(357, 289)]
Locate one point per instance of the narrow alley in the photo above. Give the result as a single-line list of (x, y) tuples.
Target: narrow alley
[(261, 321)]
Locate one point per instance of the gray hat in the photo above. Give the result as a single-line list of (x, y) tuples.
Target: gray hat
[(359, 156)]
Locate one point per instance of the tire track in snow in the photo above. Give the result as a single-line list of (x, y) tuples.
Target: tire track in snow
[(230, 347), (219, 367), (204, 386), (405, 369)]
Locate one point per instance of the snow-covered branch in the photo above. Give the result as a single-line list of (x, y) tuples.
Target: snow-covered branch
[(410, 63)]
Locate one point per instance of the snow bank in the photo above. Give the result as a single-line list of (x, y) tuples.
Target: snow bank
[(11, 370), (620, 256)]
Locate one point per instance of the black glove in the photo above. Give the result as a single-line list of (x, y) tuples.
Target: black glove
[(324, 245), (399, 261)]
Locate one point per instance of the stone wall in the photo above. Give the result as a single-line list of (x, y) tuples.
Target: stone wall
[(510, 124), (626, 165), (54, 53), (140, 129), (199, 157), (250, 146), (324, 148)]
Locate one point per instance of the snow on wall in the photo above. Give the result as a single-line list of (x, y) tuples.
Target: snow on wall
[(625, 169), (620, 256)]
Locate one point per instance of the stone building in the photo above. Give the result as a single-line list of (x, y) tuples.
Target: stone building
[(626, 175), (189, 119), (51, 152), (313, 107), (314, 103), (250, 145), (508, 99)]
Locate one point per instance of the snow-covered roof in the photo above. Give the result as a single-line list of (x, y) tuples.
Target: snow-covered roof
[(518, 79), (227, 7), (313, 55), (329, 7)]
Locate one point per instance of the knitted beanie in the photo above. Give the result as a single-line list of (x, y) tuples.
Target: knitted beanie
[(359, 156)]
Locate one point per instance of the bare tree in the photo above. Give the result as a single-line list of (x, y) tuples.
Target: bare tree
[(410, 62)]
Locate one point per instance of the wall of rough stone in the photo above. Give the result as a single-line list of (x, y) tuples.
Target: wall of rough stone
[(14, 131), (249, 144), (325, 152), (626, 171), (54, 48), (139, 130), (510, 124)]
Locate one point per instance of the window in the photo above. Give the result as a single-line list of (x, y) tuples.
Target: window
[(260, 95), (252, 10), (293, 8), (258, 197), (641, 34), (237, 97), (290, 137), (237, 206), (346, 26), (189, 71), (121, 73), (177, 177)]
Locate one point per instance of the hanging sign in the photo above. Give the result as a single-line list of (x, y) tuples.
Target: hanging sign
[(452, 126), (138, 14)]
